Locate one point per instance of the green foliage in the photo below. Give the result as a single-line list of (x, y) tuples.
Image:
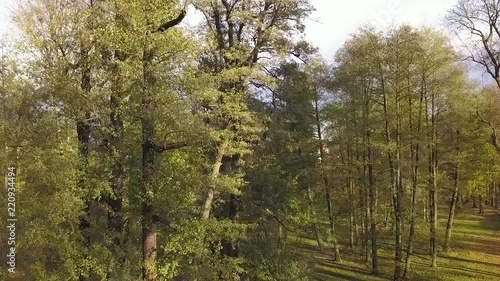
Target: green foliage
[(244, 141)]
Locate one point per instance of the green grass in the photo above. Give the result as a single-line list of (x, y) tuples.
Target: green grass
[(474, 253)]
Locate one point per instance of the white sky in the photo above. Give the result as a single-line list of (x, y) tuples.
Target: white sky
[(335, 20)]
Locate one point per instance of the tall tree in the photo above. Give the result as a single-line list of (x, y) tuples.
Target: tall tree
[(481, 20), (238, 34)]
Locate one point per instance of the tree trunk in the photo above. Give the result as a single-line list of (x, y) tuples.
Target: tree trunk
[(454, 200), (319, 240), (352, 214), (492, 195), (373, 207), (386, 216), (367, 228), (356, 226), (496, 186), (432, 185), (415, 159), (328, 193), (425, 203), (367, 213), (83, 130), (215, 173), (351, 219), (460, 200), (115, 216), (451, 216), (395, 177), (228, 249), (433, 217), (117, 181), (398, 212), (411, 238), (372, 193), (481, 206), (149, 246)]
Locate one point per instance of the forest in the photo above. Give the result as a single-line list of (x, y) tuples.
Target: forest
[(134, 147)]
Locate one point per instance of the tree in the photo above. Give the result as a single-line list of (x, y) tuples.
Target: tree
[(480, 19), (360, 88), (394, 88), (238, 35)]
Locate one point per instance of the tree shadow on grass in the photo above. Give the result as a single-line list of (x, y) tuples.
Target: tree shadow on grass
[(491, 222), (303, 248), (486, 246), (340, 266), (322, 274), (421, 275), (471, 261), (469, 271)]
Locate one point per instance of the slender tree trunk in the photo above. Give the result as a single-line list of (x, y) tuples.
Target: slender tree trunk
[(454, 196), (366, 208), (411, 238), (492, 195), (398, 209), (386, 216), (328, 193), (425, 203), (372, 193), (117, 181), (433, 185), (395, 177), (459, 200), (481, 206), (83, 130), (415, 165), (373, 209), (356, 225), (496, 186), (319, 240), (363, 227), (367, 227), (353, 231), (391, 214), (352, 214), (487, 195), (115, 216)]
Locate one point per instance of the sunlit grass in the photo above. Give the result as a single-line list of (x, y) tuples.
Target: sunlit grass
[(474, 253)]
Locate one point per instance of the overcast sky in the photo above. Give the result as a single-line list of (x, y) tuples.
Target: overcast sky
[(335, 20)]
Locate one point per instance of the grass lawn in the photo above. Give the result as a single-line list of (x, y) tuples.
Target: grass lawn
[(474, 254)]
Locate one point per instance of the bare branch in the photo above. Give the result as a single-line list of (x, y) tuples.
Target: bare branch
[(166, 26)]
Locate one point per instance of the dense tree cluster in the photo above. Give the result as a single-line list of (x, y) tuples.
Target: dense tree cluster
[(146, 151)]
